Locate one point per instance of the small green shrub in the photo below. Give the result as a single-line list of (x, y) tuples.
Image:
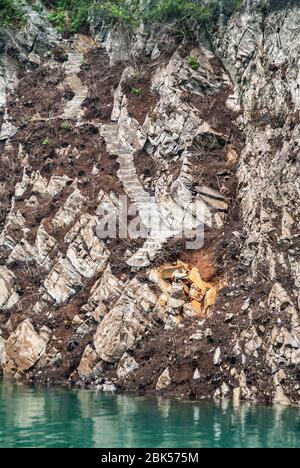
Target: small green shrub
[(193, 63), (126, 13), (46, 142), (58, 18), (37, 7), (238, 4), (66, 126), (70, 15), (11, 13), (181, 10), (136, 91)]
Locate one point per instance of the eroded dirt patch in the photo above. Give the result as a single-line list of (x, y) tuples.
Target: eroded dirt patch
[(41, 93), (102, 81), (141, 99)]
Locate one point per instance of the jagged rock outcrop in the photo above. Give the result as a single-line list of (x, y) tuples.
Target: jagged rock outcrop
[(193, 136), (258, 46), (24, 348)]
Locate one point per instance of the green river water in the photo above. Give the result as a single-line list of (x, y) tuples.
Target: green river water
[(54, 417)]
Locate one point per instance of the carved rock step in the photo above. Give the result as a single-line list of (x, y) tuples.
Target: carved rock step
[(73, 107)]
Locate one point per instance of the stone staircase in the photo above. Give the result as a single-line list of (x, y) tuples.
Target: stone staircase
[(73, 109), (159, 230)]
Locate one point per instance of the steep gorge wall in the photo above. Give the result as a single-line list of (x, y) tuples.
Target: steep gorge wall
[(223, 137), (259, 47)]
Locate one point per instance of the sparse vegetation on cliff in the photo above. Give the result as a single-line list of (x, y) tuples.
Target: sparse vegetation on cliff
[(72, 15), (238, 3), (181, 10), (193, 63), (11, 14), (131, 13)]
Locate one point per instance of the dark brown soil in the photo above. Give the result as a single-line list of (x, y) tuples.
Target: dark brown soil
[(10, 174), (47, 98), (102, 81), (213, 170), (147, 166), (141, 99)]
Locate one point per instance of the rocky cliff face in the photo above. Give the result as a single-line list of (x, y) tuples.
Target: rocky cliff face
[(191, 136)]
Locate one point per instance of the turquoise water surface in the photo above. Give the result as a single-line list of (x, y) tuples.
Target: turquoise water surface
[(51, 417)]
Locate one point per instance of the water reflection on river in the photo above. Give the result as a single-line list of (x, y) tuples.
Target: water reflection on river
[(51, 417)]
